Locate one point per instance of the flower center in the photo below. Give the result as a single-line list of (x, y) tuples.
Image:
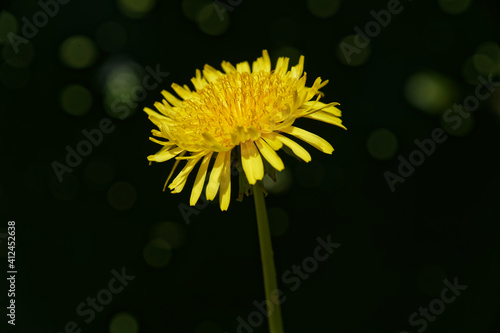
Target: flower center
[(239, 106)]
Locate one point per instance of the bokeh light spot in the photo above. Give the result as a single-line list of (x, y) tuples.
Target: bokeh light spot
[(111, 36), (123, 322), (122, 79), (349, 54), (483, 63), (172, 233), (382, 144), (157, 253), (454, 6), (122, 195), (213, 21), (282, 184), (78, 52), (123, 89), (8, 24), (135, 8), (279, 221), (76, 100), (486, 60), (430, 92), (323, 8)]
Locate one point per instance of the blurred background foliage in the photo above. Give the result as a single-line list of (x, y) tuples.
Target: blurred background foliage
[(109, 212)]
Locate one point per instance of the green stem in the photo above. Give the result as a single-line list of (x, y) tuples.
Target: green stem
[(269, 271)]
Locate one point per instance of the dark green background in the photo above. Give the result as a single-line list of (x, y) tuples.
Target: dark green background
[(396, 248)]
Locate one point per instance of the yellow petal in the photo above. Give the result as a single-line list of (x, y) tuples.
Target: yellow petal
[(282, 65), (165, 154), (178, 183), (181, 91), (298, 69), (171, 98), (214, 180), (312, 106), (158, 133), (164, 109), (155, 117), (251, 162), (324, 83), (243, 67), (256, 66), (200, 180), (295, 147), (267, 61), (262, 64), (312, 91), (311, 138), (225, 184), (273, 141), (192, 156), (163, 143), (270, 155), (198, 81), (228, 67), (326, 117), (172, 171), (212, 144), (210, 73)]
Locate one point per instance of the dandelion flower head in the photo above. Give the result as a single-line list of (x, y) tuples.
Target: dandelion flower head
[(241, 116)]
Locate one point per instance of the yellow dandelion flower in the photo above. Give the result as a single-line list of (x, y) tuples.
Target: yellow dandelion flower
[(249, 108)]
